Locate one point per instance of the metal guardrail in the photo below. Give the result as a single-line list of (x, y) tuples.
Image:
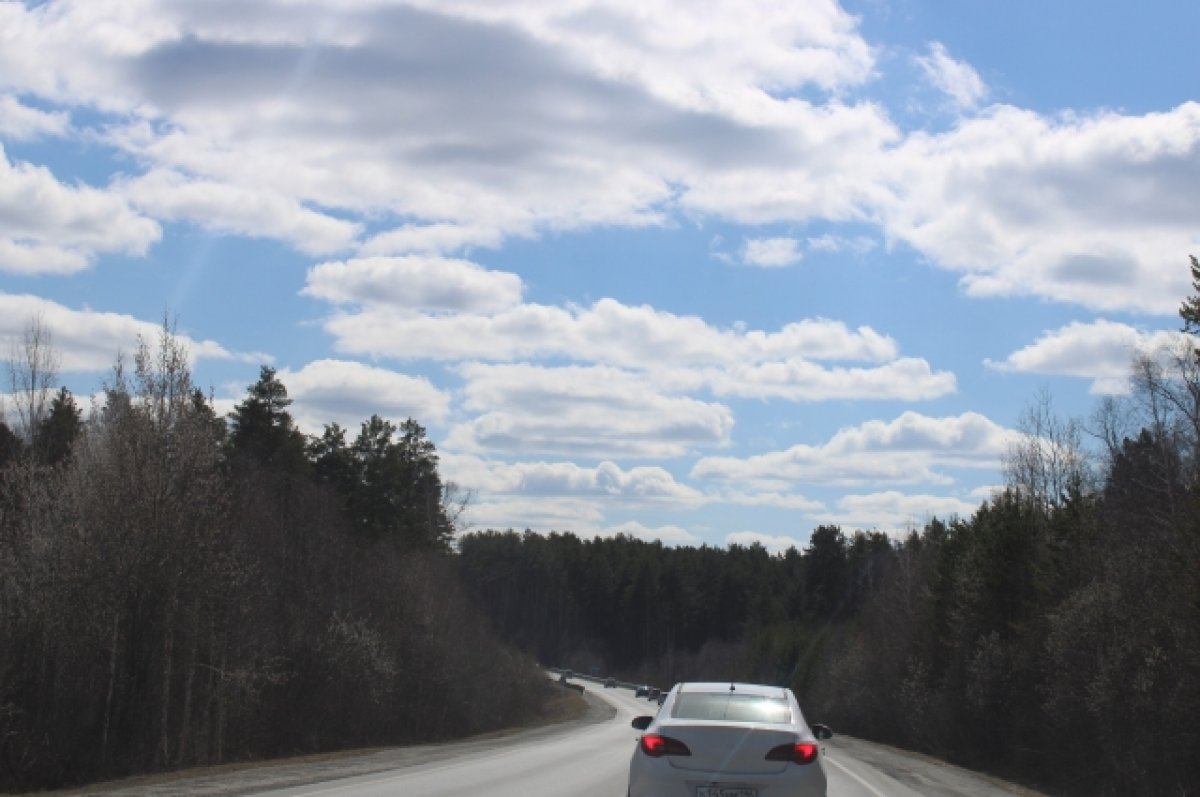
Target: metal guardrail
[(595, 678)]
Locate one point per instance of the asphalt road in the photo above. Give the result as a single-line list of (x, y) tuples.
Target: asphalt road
[(592, 759)]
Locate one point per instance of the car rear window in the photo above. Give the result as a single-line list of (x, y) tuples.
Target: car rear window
[(731, 707)]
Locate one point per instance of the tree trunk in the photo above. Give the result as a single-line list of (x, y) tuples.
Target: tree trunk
[(185, 721), (112, 684)]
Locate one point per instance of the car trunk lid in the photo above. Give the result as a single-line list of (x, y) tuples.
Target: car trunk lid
[(727, 748)]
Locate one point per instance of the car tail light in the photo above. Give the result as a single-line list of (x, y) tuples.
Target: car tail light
[(798, 753), (657, 746)]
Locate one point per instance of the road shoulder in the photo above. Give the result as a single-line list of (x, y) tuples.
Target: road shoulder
[(927, 775), (231, 780)]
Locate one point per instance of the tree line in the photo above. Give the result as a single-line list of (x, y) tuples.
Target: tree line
[(178, 588), (1053, 637)]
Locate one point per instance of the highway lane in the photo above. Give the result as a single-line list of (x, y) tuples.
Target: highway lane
[(593, 760)]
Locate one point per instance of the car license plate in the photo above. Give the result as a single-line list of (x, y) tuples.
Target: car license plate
[(725, 791)]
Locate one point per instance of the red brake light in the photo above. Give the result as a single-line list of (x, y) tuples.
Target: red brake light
[(798, 753), (657, 746)]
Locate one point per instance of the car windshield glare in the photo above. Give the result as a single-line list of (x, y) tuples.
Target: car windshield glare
[(731, 707)]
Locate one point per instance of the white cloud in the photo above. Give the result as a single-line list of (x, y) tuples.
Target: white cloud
[(446, 124), (1094, 210), (908, 378), (895, 513), (771, 252), (859, 245), (912, 449), (607, 481), (1100, 350), (606, 332), (49, 227), (696, 59), (676, 353), (88, 341), (348, 393), (432, 238), (21, 122), (239, 209), (415, 283), (25, 258), (583, 412), (468, 121), (956, 79)]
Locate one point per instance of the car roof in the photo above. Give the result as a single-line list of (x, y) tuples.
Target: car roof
[(724, 686)]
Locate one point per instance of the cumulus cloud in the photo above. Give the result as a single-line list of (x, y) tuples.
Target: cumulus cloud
[(415, 283), (432, 238), (771, 252), (907, 378), (348, 393), (912, 449), (608, 332), (582, 411), (1100, 350), (607, 481), (895, 513), (468, 121), (445, 125), (88, 341), (21, 122), (1095, 210), (958, 80), (242, 210), (47, 227)]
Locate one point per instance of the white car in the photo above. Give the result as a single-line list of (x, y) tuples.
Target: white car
[(728, 740)]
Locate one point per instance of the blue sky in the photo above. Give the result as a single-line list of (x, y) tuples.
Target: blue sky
[(704, 276)]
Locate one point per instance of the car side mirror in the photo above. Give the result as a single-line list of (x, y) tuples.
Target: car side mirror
[(642, 723), (822, 732)]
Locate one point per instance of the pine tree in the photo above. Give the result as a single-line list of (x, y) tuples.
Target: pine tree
[(58, 431), (262, 429), (1189, 311)]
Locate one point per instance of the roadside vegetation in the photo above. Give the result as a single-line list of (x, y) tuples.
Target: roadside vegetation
[(1053, 637), (178, 589)]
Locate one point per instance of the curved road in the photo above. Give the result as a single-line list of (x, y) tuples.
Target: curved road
[(591, 760)]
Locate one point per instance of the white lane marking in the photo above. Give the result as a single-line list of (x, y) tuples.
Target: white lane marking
[(862, 782)]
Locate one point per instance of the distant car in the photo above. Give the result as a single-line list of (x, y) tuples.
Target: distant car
[(728, 740), (641, 691), (662, 697), (610, 683), (653, 693)]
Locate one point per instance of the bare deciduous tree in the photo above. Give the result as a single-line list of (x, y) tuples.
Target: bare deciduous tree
[(1048, 463), (32, 372)]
